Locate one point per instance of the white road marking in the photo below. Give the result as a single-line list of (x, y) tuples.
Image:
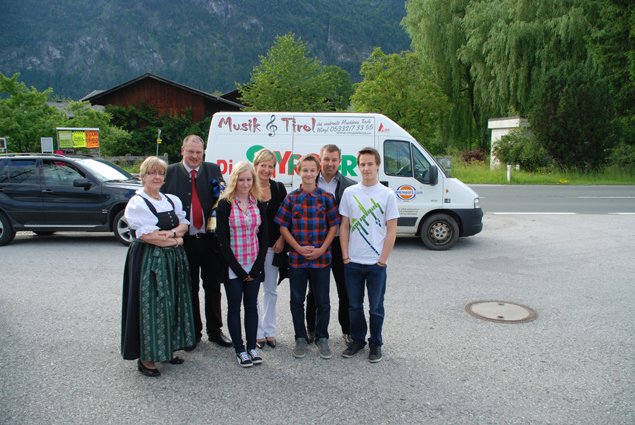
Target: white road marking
[(605, 197), (534, 213)]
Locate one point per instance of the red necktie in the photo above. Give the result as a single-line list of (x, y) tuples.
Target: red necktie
[(197, 209)]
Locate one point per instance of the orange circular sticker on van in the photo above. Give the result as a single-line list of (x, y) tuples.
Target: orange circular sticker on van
[(406, 192)]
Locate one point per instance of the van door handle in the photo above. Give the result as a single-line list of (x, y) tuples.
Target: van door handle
[(385, 183), (47, 190)]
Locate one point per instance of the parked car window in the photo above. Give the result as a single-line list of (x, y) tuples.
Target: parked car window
[(4, 170), (397, 161), (60, 173), (105, 171), (22, 171)]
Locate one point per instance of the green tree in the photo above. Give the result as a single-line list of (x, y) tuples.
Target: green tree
[(398, 86), (287, 79), (437, 33), (25, 115), (613, 45), (80, 114), (572, 119), (142, 122), (505, 57)]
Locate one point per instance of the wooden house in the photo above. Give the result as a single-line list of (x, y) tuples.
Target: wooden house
[(166, 96)]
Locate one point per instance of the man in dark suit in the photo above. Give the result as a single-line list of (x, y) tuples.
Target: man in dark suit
[(333, 182), (201, 248)]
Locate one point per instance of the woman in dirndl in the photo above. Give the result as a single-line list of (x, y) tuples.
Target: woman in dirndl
[(157, 317)]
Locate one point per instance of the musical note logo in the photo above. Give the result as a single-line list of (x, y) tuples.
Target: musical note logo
[(271, 127)]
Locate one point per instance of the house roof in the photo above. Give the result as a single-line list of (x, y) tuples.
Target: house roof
[(97, 94)]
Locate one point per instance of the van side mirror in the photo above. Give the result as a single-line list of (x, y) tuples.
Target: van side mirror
[(434, 175)]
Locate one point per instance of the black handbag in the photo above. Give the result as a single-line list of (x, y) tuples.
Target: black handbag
[(281, 261)]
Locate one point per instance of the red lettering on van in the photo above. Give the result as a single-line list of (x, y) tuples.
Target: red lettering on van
[(290, 123), (251, 125)]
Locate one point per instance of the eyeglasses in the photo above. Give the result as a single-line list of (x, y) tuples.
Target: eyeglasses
[(155, 173)]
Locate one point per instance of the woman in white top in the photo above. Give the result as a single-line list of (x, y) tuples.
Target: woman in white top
[(157, 305)]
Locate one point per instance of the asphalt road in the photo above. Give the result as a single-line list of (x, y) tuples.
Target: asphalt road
[(60, 301), (557, 199)]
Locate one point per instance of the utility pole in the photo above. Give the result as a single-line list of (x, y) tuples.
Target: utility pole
[(158, 141)]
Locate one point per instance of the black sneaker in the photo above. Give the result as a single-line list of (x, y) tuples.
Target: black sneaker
[(255, 357), (244, 360), (375, 354), (353, 349)]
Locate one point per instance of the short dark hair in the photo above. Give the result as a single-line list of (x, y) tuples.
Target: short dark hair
[(369, 151), (308, 157), (331, 148)]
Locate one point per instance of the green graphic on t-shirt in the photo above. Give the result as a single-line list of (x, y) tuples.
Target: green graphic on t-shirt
[(362, 224)]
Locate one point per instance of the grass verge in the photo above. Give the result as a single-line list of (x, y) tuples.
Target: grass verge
[(477, 173)]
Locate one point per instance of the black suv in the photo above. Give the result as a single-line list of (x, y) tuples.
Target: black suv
[(45, 193)]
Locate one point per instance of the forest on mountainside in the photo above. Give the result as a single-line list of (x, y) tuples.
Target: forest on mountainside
[(76, 46)]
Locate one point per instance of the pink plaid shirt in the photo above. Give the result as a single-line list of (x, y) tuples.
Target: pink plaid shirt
[(243, 231)]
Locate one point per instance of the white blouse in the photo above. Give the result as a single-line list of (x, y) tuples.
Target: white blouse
[(142, 220)]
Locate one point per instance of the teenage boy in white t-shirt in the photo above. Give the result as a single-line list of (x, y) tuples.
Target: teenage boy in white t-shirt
[(367, 236)]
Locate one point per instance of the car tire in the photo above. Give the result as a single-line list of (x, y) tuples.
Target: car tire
[(121, 229), (6, 230), (439, 232)]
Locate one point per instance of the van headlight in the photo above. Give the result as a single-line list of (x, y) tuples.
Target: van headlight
[(477, 203)]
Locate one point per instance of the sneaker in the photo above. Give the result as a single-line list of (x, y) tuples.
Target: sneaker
[(255, 357), (323, 348), (300, 348), (244, 360), (310, 337), (347, 339), (375, 354), (353, 349)]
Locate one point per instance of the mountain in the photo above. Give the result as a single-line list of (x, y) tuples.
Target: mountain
[(77, 46)]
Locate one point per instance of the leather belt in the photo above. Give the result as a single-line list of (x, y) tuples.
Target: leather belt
[(197, 235)]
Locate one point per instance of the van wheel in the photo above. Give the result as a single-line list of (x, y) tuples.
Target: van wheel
[(121, 229), (439, 232), (6, 230)]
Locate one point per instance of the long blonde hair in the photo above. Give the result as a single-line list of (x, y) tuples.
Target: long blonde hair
[(230, 190)]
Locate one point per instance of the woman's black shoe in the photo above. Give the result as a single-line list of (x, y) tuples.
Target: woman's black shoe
[(147, 371), (271, 342), (177, 360)]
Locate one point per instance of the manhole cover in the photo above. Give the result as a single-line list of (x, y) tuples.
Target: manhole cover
[(501, 311)]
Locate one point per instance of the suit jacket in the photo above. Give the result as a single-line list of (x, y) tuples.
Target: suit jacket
[(178, 182), (342, 183)]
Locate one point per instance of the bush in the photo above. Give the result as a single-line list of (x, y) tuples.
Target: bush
[(474, 155), (521, 147), (623, 155)]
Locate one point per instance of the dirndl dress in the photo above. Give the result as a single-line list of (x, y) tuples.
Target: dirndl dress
[(157, 316)]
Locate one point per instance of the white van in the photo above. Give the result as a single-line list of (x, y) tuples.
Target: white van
[(432, 205)]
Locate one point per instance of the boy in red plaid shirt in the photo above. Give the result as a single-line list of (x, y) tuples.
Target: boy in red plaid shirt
[(308, 221)]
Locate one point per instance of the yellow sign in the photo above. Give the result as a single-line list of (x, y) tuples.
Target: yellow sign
[(72, 137), (65, 139), (79, 139)]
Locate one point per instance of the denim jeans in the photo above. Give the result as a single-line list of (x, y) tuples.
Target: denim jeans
[(373, 279), (247, 292), (337, 267), (319, 281)]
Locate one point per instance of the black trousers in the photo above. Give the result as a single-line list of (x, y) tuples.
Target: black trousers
[(337, 267), (205, 264)]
